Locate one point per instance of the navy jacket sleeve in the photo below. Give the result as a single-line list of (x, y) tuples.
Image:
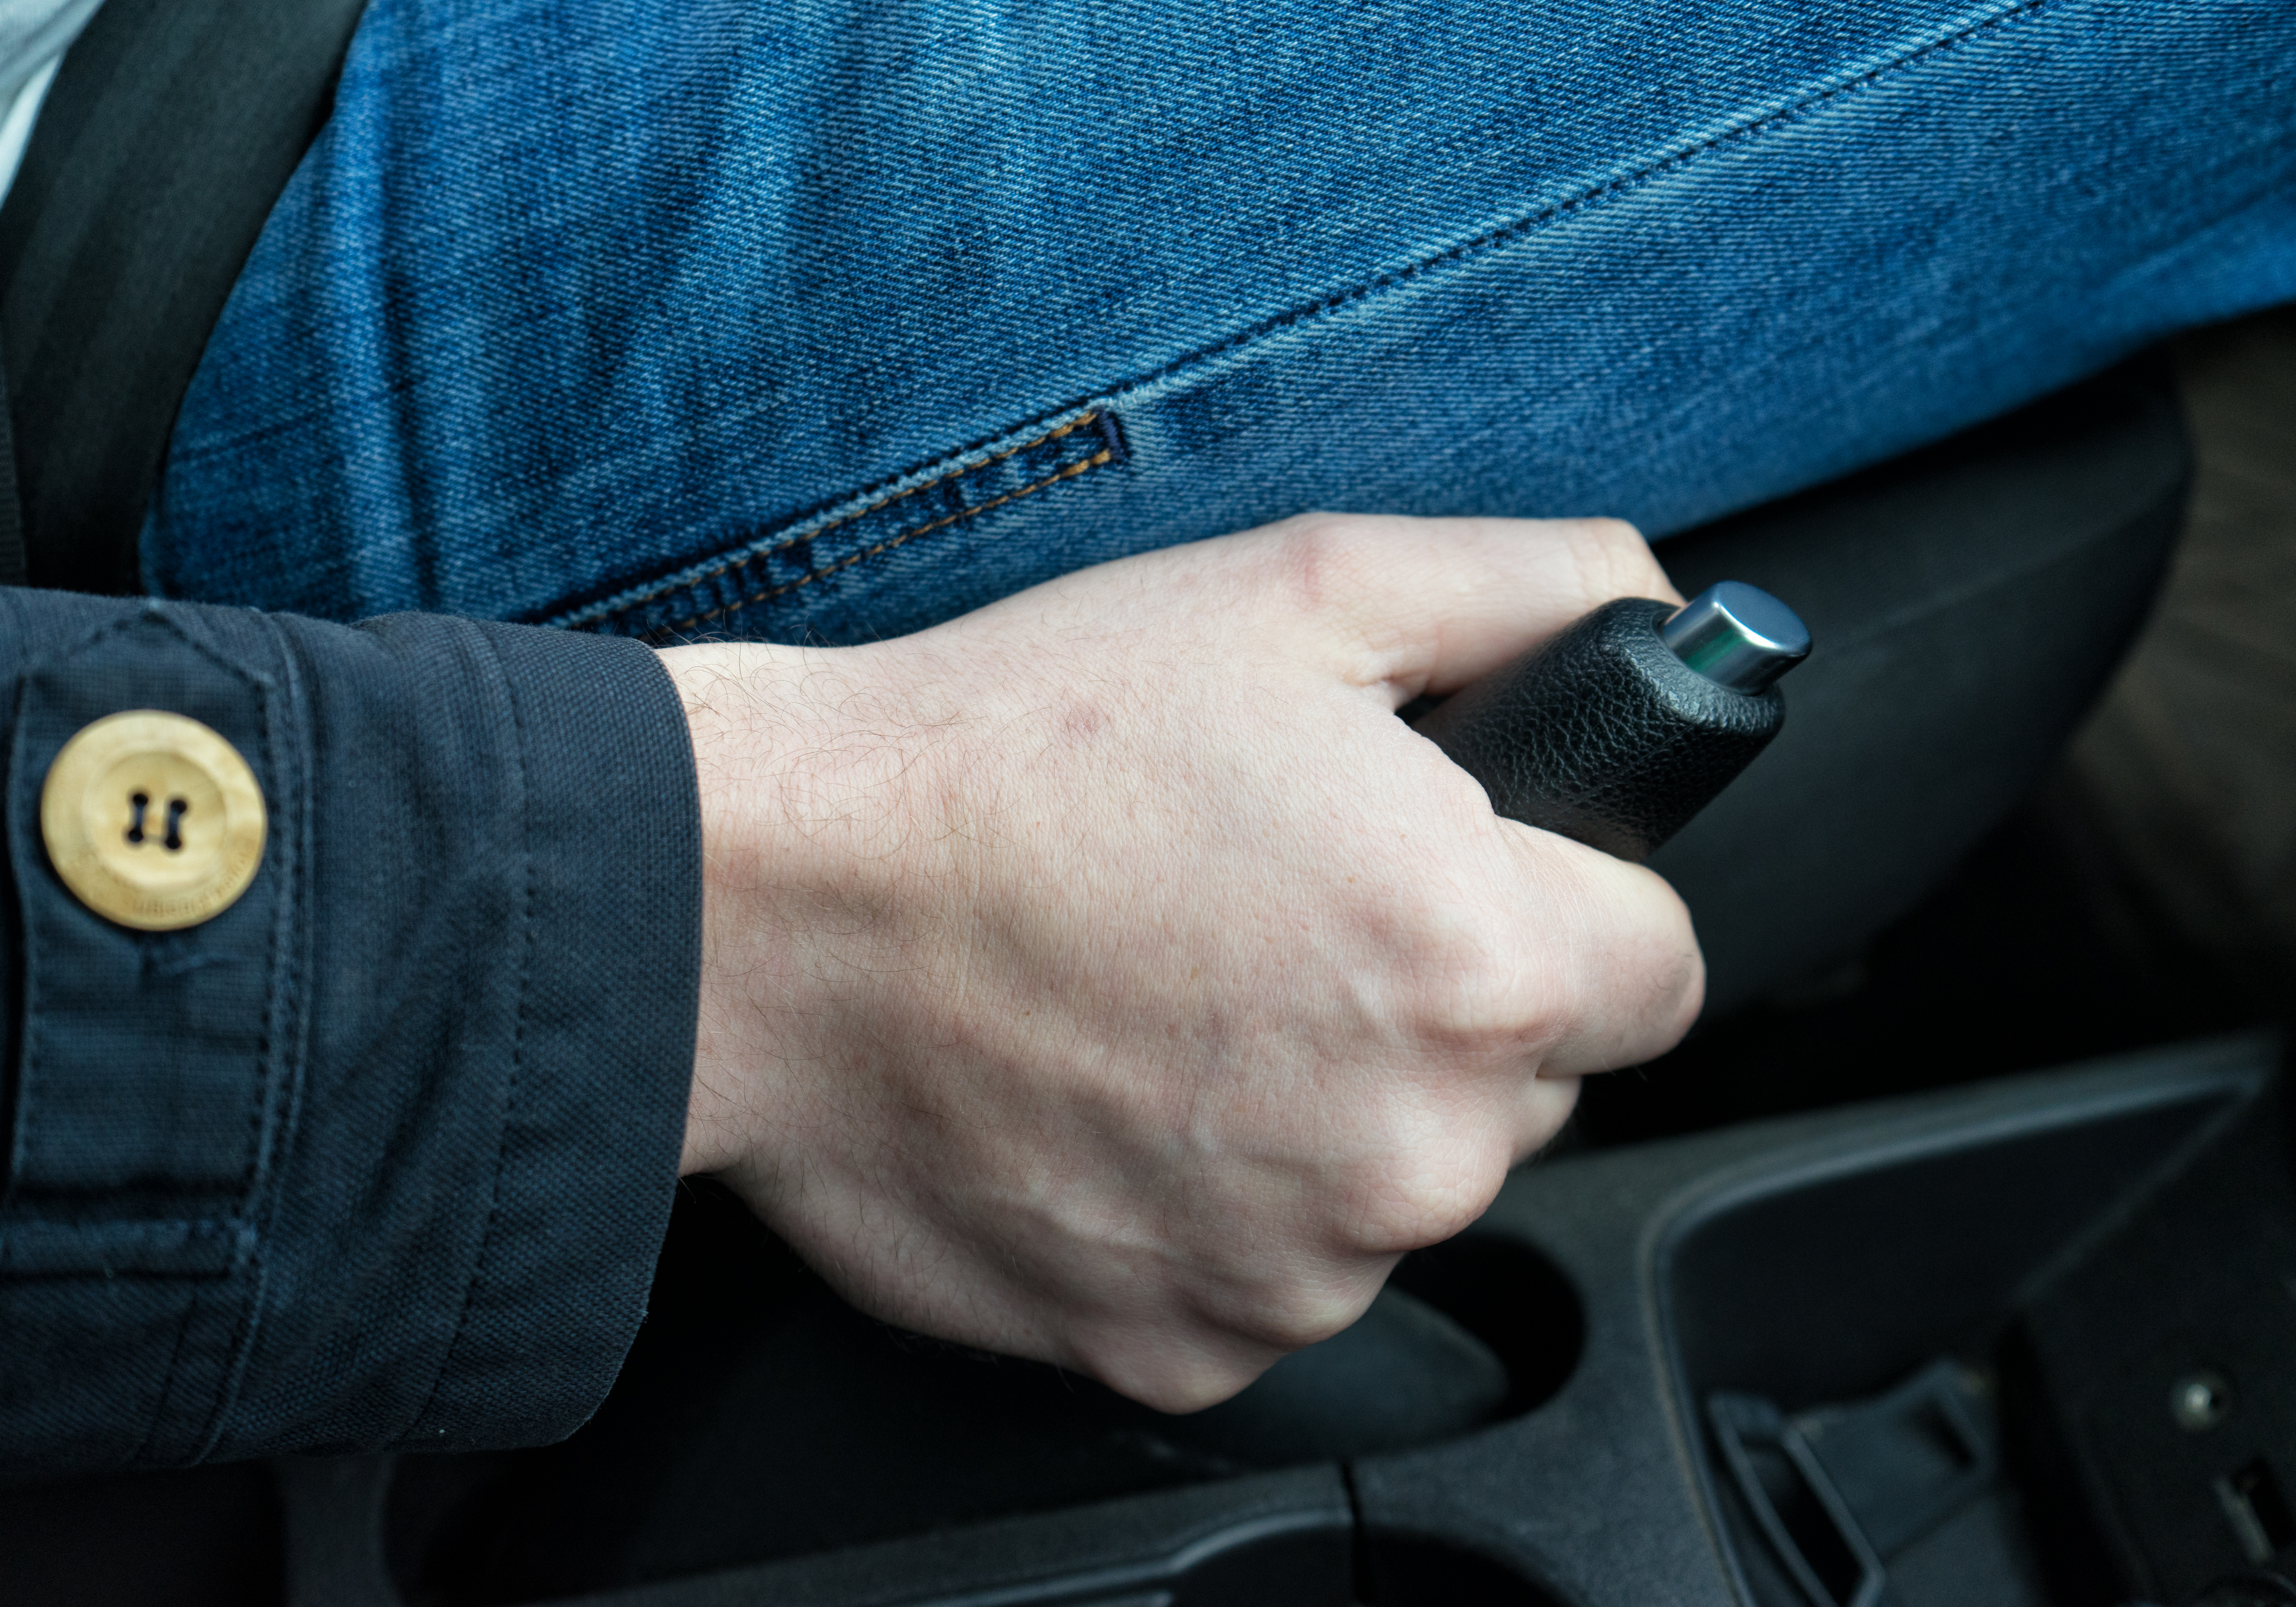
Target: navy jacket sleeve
[(382, 1154)]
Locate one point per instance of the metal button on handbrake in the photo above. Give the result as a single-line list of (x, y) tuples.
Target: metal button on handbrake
[(1736, 636), (1618, 730)]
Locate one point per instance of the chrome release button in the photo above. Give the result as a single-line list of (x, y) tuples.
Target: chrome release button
[(1736, 636)]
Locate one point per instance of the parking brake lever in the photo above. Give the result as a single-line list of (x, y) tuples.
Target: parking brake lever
[(1621, 727)]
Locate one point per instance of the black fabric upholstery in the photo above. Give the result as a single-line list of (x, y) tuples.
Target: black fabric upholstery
[(1969, 604)]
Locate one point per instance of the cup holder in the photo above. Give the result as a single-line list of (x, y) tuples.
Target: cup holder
[(1332, 1567), (1513, 1299), (1281, 1541), (1407, 1570), (759, 1418), (1859, 1343)]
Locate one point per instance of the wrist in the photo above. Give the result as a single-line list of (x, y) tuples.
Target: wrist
[(804, 772)]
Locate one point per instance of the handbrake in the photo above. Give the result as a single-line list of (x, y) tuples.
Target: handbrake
[(1620, 728)]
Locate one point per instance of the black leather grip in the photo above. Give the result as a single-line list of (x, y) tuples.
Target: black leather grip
[(1601, 734)]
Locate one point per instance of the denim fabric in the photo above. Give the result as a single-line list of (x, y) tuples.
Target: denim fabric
[(383, 1153), (831, 320)]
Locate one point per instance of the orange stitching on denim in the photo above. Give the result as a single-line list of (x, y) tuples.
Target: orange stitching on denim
[(1098, 458), (730, 564)]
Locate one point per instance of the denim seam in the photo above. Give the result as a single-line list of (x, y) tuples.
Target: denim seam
[(1475, 245), (1098, 459), (517, 1052), (1506, 233), (623, 602)]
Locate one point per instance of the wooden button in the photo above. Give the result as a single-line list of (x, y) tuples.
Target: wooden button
[(153, 820)]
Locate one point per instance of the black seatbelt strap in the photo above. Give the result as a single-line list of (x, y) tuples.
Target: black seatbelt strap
[(11, 517), (170, 133)]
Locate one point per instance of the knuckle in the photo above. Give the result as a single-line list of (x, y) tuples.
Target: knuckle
[(1429, 1158), (1631, 985), (1681, 990), (1454, 1210), (1434, 1192), (1659, 975), (1469, 968), (1614, 558), (1199, 1390), (1172, 1385), (1613, 535), (1322, 557), (1549, 1102), (1294, 1319)]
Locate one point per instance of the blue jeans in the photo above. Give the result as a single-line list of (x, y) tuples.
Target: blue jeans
[(827, 321)]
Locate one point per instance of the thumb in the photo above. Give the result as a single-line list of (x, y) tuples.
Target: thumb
[(1426, 605)]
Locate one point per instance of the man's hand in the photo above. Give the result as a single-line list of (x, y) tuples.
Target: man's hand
[(1108, 976)]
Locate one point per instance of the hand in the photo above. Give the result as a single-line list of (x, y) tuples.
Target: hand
[(1108, 976)]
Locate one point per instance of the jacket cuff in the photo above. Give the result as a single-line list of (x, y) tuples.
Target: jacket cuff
[(594, 1101), (382, 1154)]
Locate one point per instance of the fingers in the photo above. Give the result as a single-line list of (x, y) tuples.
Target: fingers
[(1401, 605), (1544, 1104), (1187, 1364), (1615, 965), (1426, 605)]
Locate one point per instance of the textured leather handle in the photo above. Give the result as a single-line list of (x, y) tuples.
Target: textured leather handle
[(1601, 734)]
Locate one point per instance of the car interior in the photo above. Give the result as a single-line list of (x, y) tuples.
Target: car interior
[(1951, 1261)]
